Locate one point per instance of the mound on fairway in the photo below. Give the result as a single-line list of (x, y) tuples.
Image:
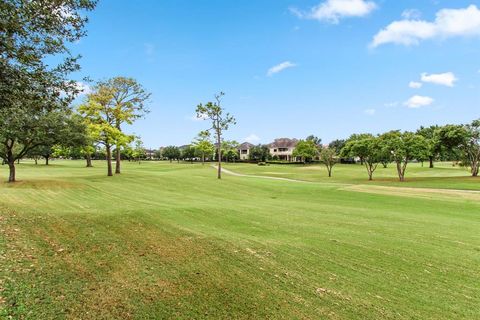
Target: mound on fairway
[(170, 241)]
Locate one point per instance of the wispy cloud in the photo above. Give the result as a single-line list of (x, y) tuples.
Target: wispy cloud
[(333, 11), (445, 79), (448, 23), (370, 112), (280, 67), (83, 87), (411, 14), (418, 102), (415, 85)]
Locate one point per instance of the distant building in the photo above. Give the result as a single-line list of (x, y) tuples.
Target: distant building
[(244, 150), (283, 149)]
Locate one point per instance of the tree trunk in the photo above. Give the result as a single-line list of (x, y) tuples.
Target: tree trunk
[(36, 161), (117, 160), (219, 150), (11, 167), (46, 160), (88, 158), (329, 172), (109, 161), (431, 162), (203, 158), (401, 173)]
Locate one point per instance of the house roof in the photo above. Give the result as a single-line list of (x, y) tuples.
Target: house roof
[(284, 143), (245, 146)]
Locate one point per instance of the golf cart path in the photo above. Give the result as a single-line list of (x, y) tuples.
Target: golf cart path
[(430, 193)]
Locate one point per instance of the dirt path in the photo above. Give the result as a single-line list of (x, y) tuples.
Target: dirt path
[(428, 193)]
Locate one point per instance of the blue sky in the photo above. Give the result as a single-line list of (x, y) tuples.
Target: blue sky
[(337, 79)]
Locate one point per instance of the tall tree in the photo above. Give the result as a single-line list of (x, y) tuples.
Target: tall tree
[(214, 112), (229, 150), (433, 143), (337, 144), (99, 115), (404, 147), (171, 153), (316, 140), (203, 145), (128, 103), (368, 149), (259, 153), (329, 158), (32, 32), (307, 150)]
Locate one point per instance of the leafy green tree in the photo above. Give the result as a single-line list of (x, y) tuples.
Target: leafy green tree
[(354, 137), (34, 64), (403, 147), (337, 145), (329, 158), (171, 153), (189, 153), (128, 103), (229, 150), (316, 140), (214, 112), (433, 142), (99, 116), (368, 149), (307, 150), (203, 145), (259, 153), (138, 152)]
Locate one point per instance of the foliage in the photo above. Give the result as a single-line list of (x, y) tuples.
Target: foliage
[(329, 159), (259, 153), (404, 147), (203, 145), (316, 140), (214, 112), (306, 149), (171, 153), (337, 145)]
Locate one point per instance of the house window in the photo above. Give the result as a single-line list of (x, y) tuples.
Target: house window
[(244, 151), (274, 150), (282, 149)]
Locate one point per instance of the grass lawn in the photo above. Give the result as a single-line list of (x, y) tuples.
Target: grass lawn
[(170, 241), (443, 176)]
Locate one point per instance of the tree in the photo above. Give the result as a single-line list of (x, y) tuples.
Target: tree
[(368, 149), (337, 145), (354, 137), (189, 153), (203, 145), (316, 140), (433, 143), (259, 153), (34, 35), (171, 153), (138, 150), (403, 147), (229, 150), (99, 116), (214, 112), (329, 158), (128, 104), (306, 149)]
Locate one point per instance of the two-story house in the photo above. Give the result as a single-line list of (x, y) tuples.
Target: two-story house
[(283, 149), (244, 150)]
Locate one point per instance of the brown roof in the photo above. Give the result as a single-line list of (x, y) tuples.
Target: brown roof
[(245, 146), (284, 143)]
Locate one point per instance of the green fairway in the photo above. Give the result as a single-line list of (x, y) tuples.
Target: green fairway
[(170, 241)]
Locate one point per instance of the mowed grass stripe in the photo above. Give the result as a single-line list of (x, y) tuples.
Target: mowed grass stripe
[(170, 241)]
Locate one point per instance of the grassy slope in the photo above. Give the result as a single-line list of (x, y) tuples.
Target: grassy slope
[(443, 176), (170, 241)]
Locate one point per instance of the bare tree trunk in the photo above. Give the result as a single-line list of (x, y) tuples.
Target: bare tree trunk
[(88, 158), (431, 162), (11, 167), (109, 161), (219, 148), (36, 161), (117, 160), (401, 173), (46, 160), (329, 172), (203, 158)]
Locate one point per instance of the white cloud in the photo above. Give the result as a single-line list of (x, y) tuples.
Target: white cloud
[(370, 112), (448, 23), (418, 101), (334, 10), (252, 138), (415, 85), (411, 14), (280, 67), (196, 118), (83, 87), (445, 79)]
